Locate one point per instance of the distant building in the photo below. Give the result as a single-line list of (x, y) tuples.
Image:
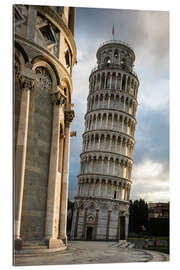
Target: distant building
[(44, 55), (158, 210)]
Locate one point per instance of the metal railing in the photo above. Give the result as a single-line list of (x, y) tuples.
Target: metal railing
[(116, 41)]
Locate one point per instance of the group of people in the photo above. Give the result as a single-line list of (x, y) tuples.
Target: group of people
[(146, 243)]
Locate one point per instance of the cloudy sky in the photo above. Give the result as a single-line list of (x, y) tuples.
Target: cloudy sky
[(147, 32)]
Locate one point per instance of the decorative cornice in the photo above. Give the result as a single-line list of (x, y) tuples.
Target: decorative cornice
[(106, 131), (106, 177), (112, 154), (110, 110), (102, 199)]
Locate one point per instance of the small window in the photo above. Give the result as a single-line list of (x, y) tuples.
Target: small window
[(65, 91), (47, 34), (115, 194), (67, 58)]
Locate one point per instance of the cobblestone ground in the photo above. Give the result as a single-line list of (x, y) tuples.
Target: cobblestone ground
[(91, 253)]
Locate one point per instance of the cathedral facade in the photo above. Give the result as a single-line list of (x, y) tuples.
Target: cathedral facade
[(102, 202), (44, 55)]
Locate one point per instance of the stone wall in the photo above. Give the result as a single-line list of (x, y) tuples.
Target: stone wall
[(37, 164)]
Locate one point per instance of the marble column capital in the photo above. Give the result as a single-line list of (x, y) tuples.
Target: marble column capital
[(58, 97), (27, 83)]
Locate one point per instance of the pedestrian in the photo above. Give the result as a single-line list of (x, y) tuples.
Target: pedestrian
[(155, 243), (146, 241)]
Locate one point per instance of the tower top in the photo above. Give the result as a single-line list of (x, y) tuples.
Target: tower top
[(120, 42), (115, 53)]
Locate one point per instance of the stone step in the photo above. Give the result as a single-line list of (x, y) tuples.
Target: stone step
[(33, 243), (131, 245), (34, 247)]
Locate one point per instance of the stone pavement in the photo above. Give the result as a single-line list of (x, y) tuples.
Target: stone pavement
[(83, 252)]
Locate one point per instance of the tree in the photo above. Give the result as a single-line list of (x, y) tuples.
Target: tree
[(138, 220)]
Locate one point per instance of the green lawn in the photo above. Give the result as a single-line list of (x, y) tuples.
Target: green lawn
[(163, 249), (150, 238)]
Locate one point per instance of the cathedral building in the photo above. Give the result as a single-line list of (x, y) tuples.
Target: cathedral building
[(44, 55), (104, 183)]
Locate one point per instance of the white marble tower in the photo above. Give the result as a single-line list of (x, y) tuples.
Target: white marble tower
[(102, 202)]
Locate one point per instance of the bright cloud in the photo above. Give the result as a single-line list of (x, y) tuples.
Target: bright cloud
[(150, 181)]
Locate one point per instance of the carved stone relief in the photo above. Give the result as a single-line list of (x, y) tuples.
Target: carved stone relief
[(43, 79)]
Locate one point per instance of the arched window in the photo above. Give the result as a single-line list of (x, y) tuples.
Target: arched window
[(67, 58), (107, 60), (123, 82)]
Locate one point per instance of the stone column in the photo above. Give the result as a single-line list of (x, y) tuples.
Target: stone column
[(69, 115), (111, 76), (111, 187), (76, 223), (94, 188), (121, 81), (106, 188), (120, 195), (79, 187), (27, 81), (54, 181), (126, 226), (116, 80), (114, 167), (118, 227), (108, 222), (100, 188), (84, 224), (108, 101), (96, 224)]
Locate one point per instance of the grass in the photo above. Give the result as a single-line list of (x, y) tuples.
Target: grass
[(163, 249), (150, 238)]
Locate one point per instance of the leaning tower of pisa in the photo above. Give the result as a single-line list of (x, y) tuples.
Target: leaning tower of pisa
[(102, 203)]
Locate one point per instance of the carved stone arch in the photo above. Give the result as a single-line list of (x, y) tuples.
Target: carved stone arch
[(126, 163), (93, 116), (125, 120), (41, 58), (130, 122), (116, 53), (106, 97), (48, 78), (123, 82), (128, 84), (94, 81), (96, 97), (107, 60), (111, 97), (131, 103)]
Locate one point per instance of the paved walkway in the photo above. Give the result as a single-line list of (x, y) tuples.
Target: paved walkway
[(79, 252)]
